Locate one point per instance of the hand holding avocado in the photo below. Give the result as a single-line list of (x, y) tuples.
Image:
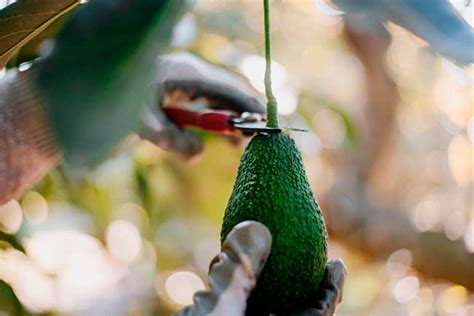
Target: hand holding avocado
[(234, 273)]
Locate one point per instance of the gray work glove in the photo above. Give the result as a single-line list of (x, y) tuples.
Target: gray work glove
[(29, 148), (98, 76), (234, 272), (185, 79), (436, 21)]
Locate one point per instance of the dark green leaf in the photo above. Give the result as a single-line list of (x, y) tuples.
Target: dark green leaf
[(101, 72), (9, 304), (11, 240), (23, 20)]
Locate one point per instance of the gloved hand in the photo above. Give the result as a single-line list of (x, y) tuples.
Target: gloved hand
[(185, 79), (182, 78), (436, 21), (234, 272), (98, 77)]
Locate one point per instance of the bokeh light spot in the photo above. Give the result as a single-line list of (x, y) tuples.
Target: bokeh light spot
[(34, 207), (11, 217), (330, 128), (406, 289), (204, 251), (181, 286), (460, 154), (399, 262), (185, 32), (452, 298), (469, 237), (454, 225), (124, 241), (426, 215), (253, 67)]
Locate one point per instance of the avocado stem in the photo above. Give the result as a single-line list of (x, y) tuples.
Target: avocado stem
[(272, 105)]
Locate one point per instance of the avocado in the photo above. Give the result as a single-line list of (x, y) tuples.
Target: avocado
[(272, 188)]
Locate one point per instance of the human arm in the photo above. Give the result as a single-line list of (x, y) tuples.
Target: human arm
[(29, 148)]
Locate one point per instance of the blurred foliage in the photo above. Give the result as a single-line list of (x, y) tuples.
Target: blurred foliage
[(93, 88), (9, 302), (135, 234)]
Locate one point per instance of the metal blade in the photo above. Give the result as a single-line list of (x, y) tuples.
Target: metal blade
[(260, 127)]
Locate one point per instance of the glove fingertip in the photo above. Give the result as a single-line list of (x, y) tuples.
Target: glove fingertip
[(252, 239)]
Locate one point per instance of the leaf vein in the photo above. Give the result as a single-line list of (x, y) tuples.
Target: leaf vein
[(15, 33), (27, 15), (30, 33)]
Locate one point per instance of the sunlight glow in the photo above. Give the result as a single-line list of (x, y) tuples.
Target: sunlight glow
[(466, 11), (52, 250), (406, 289), (185, 32), (399, 262), (11, 217), (426, 215), (134, 214), (33, 288), (287, 100), (82, 268), (4, 3), (330, 128), (455, 225), (25, 66), (34, 207), (204, 251), (469, 237), (124, 241), (460, 155), (181, 286), (452, 299), (253, 68)]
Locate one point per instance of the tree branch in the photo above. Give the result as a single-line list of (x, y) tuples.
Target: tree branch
[(355, 219)]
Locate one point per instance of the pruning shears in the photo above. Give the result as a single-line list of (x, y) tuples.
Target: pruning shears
[(222, 121)]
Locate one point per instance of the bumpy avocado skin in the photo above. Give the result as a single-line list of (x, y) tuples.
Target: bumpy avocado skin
[(272, 188)]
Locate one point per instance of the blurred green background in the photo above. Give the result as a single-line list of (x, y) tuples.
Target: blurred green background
[(389, 155)]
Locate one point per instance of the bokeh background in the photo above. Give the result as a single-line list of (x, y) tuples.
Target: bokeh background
[(389, 154)]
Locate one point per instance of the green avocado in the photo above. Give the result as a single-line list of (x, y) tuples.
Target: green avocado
[(272, 188)]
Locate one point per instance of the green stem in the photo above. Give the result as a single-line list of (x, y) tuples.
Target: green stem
[(272, 106)]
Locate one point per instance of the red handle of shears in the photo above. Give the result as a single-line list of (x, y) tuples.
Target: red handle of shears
[(216, 121)]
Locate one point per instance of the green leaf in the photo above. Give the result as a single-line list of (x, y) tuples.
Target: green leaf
[(32, 49), (21, 21), (9, 304), (101, 72)]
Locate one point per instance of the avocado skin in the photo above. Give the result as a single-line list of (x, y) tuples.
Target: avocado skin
[(272, 188)]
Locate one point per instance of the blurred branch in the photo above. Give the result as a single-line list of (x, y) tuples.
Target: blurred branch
[(370, 45), (358, 221), (378, 231)]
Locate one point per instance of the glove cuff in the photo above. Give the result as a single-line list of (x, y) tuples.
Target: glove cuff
[(28, 149)]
